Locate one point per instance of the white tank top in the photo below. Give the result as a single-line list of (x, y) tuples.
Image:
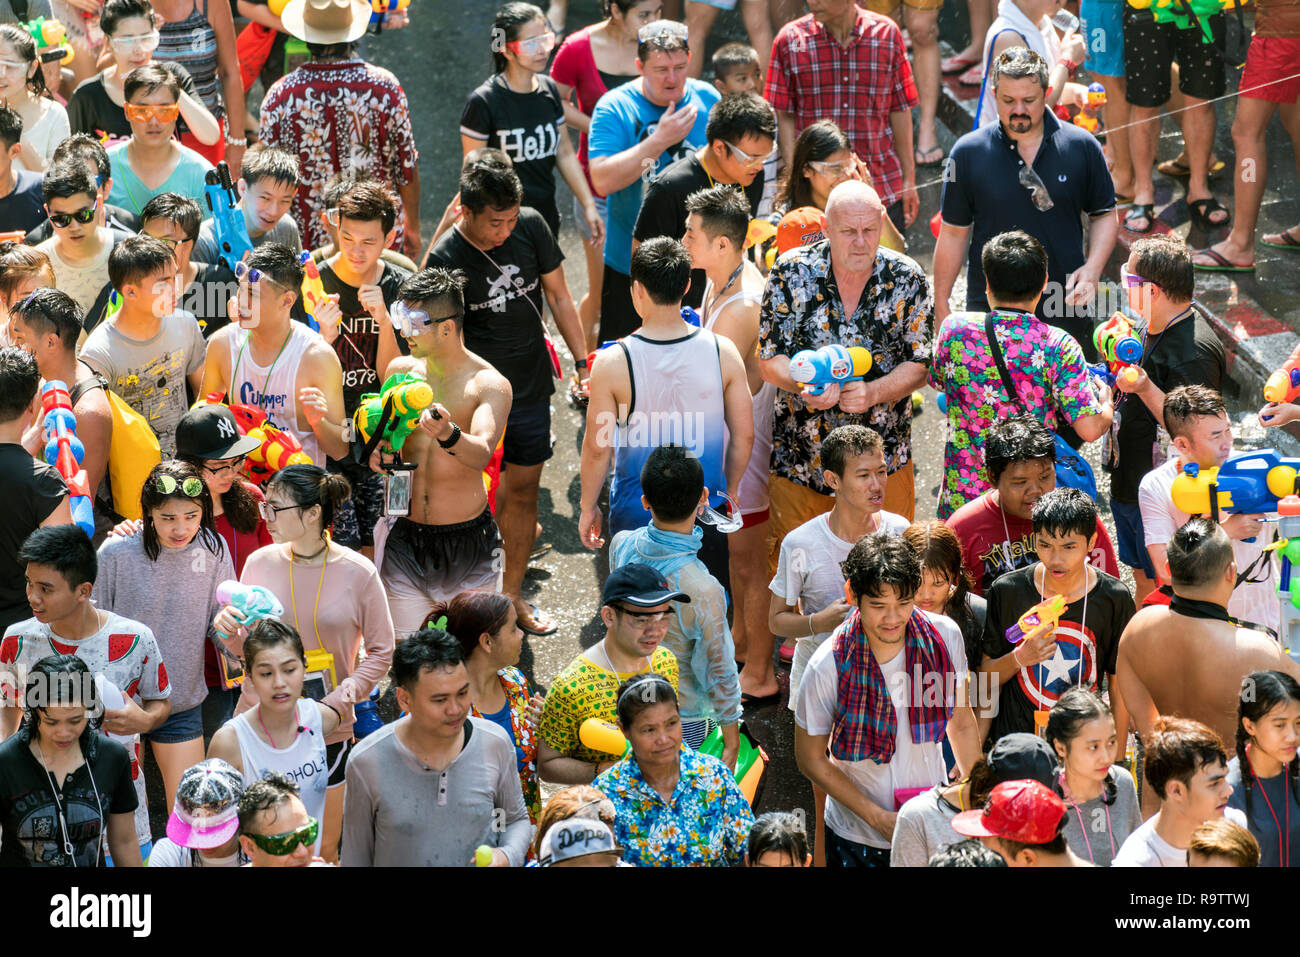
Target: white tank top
[(303, 761), (753, 484), (1040, 37), (271, 388)]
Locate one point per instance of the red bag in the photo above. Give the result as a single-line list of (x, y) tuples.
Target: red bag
[(253, 46)]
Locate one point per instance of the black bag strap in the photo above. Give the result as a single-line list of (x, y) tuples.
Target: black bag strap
[(96, 381), (996, 350)]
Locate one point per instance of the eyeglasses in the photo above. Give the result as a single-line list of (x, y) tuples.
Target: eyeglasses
[(83, 216), (644, 618), (13, 66), (173, 243), (232, 467), (542, 43), (270, 512), (126, 44), (144, 112), (747, 160), (278, 845), (251, 276), (833, 170), (662, 30), (413, 322), (1037, 191), (167, 485)]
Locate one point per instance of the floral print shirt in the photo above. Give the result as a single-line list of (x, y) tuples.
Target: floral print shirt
[(518, 693), (802, 310), (1050, 375), (706, 824), (339, 116)]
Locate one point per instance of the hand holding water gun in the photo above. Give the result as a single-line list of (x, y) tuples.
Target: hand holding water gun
[(228, 226), (243, 606), (388, 13), (1039, 621), (64, 451), (815, 369), (1120, 348), (51, 40), (315, 301), (405, 396), (278, 449), (1284, 384)]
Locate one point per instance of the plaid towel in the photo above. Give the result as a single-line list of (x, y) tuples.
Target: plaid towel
[(866, 724)]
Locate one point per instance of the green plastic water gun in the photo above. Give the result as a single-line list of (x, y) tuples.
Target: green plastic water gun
[(408, 394), (51, 40), (1185, 13)]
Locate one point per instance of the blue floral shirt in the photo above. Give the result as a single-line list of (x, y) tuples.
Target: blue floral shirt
[(706, 824)]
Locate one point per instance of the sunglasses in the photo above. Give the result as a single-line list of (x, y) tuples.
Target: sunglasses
[(167, 485), (542, 43), (83, 216), (1037, 191), (1132, 280), (143, 113), (252, 276), (662, 30), (269, 512), (278, 845), (232, 467), (747, 160), (413, 322), (126, 44)]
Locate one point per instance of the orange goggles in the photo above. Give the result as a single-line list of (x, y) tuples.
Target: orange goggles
[(142, 113)]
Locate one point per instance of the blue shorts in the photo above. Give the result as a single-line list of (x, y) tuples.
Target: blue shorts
[(528, 439), (1101, 23), (1129, 538), (180, 726)]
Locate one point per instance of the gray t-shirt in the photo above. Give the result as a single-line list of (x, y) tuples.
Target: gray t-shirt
[(399, 812), (150, 375), (1096, 832), (285, 231), (922, 829), (176, 596)]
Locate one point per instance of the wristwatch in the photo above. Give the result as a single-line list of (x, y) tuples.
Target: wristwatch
[(580, 363), (455, 437)]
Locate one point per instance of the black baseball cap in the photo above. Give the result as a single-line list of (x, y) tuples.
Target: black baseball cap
[(1019, 756), (639, 585), (210, 432)]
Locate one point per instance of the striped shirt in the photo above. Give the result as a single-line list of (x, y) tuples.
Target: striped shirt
[(193, 44)]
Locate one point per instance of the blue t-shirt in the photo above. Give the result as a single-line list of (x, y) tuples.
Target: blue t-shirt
[(186, 179), (623, 117), (981, 189), (1274, 808), (502, 720), (24, 208)]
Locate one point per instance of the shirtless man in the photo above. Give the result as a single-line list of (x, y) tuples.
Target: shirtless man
[(266, 360), (717, 220), (449, 542), (1210, 654)]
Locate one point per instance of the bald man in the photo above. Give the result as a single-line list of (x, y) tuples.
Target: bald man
[(845, 290)]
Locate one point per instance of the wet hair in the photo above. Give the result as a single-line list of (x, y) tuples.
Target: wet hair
[(368, 203), (151, 498), (506, 27), (436, 285), (25, 47), (940, 551), (1017, 63), (115, 11), (880, 559), (1198, 553), (66, 549), (1220, 837), (86, 148), (426, 650), (11, 127), (849, 441), (61, 681), (1188, 402), (779, 831), (967, 853), (1177, 749), (578, 800), (1065, 511), (483, 185), (149, 79), (732, 57), (1261, 692), (672, 481), (1020, 438), (18, 263), (814, 144), (264, 794), (738, 115), (66, 179), (262, 162), (271, 633), (723, 211), (135, 259), (1075, 708), (488, 156), (661, 43), (1015, 265), (280, 263), (663, 268), (48, 311), (19, 379), (174, 208), (308, 485), (641, 692), (1167, 262), (471, 614)]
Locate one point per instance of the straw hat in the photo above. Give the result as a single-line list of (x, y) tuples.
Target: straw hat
[(326, 21)]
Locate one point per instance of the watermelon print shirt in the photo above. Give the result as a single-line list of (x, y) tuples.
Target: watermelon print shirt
[(123, 651), (1046, 366)]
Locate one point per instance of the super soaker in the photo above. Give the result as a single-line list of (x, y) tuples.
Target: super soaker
[(380, 9), (1046, 613), (1115, 341), (253, 602), (313, 290), (64, 451), (278, 448), (407, 396), (51, 40), (815, 369), (1284, 384), (1249, 482)]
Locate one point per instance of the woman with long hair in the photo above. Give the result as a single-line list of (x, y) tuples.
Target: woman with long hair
[(23, 90), (1264, 772)]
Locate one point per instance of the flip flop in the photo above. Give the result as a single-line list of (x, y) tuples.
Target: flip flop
[(786, 653), (538, 551), (1122, 200), (972, 77), (1145, 211), (1221, 263), (1174, 168), (534, 611), (919, 156), (957, 64), (1200, 213), (748, 700), (1289, 241)]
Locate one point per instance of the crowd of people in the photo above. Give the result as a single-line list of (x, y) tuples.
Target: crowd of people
[(228, 351)]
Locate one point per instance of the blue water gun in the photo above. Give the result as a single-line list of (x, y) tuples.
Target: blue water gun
[(64, 451), (233, 242), (253, 602), (1249, 482), (815, 369)]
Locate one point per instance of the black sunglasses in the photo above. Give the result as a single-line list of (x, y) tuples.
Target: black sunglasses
[(83, 216)]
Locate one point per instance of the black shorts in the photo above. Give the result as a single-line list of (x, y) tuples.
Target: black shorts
[(336, 759), (427, 563), (1151, 48), (528, 439), (618, 316)]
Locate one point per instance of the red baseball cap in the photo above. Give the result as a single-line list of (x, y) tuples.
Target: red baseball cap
[(1022, 811), (799, 227)]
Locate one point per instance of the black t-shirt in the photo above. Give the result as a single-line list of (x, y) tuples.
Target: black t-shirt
[(32, 490), (91, 110), (503, 306), (526, 127), (29, 812), (663, 210), (207, 295), (1109, 605), (23, 209), (1186, 353), (358, 342)]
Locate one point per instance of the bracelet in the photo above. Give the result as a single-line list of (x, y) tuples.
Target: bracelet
[(1014, 652), (455, 437), (580, 363), (231, 141), (1070, 67), (811, 630)]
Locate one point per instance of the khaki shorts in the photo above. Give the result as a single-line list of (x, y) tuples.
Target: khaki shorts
[(887, 8)]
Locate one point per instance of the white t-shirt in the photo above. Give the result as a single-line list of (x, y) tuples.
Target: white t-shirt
[(913, 765), (1255, 602), (1145, 848), (808, 573)]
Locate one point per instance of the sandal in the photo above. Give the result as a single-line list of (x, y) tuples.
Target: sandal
[(1174, 168), (957, 64), (1201, 209), (1145, 211), (935, 153), (1288, 241), (1221, 262), (972, 77), (537, 628)]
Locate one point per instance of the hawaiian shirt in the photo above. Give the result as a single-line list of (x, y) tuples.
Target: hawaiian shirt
[(339, 116), (706, 824), (802, 310), (1047, 367), (518, 693)]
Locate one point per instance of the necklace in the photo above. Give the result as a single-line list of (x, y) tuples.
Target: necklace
[(293, 600), (610, 664), (708, 310), (266, 731)]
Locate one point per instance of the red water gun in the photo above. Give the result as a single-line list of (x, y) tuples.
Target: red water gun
[(278, 449), (64, 451)]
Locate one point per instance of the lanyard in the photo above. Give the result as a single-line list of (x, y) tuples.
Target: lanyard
[(1287, 813), (1155, 345)]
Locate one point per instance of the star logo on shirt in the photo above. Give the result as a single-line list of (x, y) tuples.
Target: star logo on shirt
[(1074, 663)]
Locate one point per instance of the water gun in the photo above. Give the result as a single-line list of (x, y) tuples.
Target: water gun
[(278, 450), (394, 411), (1184, 13), (51, 40), (1249, 482), (253, 602), (380, 9), (64, 451), (690, 317), (1121, 349), (815, 369), (228, 226), (1284, 384), (1288, 550), (313, 290), (13, 236), (1087, 116), (1047, 612)]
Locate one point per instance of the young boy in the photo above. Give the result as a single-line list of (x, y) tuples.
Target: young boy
[(1024, 822), (21, 205), (89, 151), (736, 69), (60, 573), (1034, 673), (672, 487), (268, 183), (149, 350), (79, 248), (175, 220)]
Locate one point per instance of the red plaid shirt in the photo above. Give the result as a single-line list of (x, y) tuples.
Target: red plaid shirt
[(815, 78)]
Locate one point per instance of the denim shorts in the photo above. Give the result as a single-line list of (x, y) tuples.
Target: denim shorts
[(180, 726), (1129, 538)]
